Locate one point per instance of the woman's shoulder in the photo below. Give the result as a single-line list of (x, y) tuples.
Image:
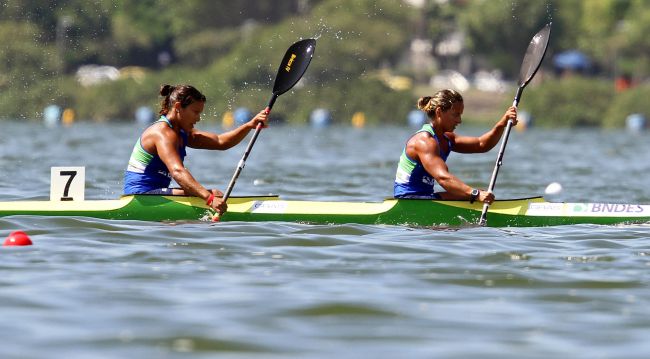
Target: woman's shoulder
[(422, 140), (160, 130)]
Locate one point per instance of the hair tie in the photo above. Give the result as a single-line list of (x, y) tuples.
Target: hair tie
[(431, 106)]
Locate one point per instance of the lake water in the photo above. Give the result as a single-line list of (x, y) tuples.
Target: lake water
[(118, 289)]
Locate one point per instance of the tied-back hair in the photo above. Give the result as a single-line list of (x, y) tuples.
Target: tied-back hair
[(442, 99), (185, 94)]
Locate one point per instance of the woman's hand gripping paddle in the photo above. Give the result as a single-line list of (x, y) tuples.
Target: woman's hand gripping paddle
[(293, 66), (532, 60)]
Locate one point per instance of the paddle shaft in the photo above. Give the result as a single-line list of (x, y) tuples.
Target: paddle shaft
[(242, 162), (499, 161)]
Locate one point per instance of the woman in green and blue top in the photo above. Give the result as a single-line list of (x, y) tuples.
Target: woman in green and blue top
[(423, 160), (158, 155)]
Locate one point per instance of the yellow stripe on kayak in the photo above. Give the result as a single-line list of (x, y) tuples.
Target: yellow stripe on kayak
[(311, 207), (66, 206), (509, 207), (237, 204)]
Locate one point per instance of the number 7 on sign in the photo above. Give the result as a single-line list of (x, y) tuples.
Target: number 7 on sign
[(72, 174), (67, 183)]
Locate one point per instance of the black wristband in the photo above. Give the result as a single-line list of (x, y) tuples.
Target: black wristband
[(474, 195)]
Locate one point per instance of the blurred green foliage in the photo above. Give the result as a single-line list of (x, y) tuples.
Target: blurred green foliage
[(580, 101), (230, 50), (569, 102), (626, 103)]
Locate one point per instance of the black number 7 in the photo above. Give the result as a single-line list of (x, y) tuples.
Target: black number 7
[(72, 174)]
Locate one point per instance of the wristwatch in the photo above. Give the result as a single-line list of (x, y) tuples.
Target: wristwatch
[(474, 195)]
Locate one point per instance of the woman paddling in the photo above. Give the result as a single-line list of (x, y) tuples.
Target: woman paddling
[(158, 154), (422, 163)]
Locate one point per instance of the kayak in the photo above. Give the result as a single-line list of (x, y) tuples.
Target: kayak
[(523, 212)]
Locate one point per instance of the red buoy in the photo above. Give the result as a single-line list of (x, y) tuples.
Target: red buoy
[(17, 238)]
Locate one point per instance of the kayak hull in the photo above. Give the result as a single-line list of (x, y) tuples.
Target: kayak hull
[(525, 212)]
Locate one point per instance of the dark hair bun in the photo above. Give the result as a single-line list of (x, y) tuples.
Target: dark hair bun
[(423, 103), (166, 90)]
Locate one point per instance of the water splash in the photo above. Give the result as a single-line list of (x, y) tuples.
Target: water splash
[(549, 12)]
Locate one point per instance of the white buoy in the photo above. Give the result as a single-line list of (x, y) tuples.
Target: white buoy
[(553, 188), (259, 182)]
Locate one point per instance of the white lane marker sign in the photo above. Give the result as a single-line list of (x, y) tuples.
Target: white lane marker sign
[(67, 183)]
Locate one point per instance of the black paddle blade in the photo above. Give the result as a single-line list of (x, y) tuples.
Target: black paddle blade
[(293, 65), (534, 55)]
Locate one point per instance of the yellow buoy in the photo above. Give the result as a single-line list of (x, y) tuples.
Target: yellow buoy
[(358, 119), (228, 120), (68, 117)]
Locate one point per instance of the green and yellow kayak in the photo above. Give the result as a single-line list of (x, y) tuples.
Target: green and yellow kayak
[(525, 212)]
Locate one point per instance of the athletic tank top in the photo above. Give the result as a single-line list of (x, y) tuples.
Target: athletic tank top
[(147, 172), (411, 179)]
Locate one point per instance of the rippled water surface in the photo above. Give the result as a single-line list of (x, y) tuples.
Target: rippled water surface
[(115, 289)]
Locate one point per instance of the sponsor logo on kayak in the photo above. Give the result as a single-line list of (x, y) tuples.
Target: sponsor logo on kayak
[(544, 209), (269, 207), (597, 209), (580, 207), (545, 206), (290, 62), (616, 208), (585, 209)]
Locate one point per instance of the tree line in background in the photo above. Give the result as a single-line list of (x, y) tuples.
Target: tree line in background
[(230, 50)]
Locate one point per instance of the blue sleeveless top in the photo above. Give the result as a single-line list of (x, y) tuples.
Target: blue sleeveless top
[(147, 172), (411, 179)]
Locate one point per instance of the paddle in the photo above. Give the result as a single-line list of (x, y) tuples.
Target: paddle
[(529, 66), (293, 66)]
